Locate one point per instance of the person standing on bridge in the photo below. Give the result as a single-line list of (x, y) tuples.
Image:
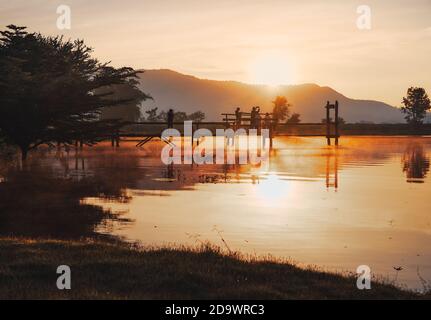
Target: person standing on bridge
[(267, 121), (170, 118), (258, 119), (238, 115), (253, 118)]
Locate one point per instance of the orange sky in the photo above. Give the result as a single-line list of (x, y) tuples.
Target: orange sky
[(274, 42)]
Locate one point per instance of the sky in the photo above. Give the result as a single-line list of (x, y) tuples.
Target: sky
[(254, 41)]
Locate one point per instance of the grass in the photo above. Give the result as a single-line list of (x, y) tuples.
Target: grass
[(102, 270)]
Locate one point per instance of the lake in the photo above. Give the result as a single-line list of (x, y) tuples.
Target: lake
[(366, 202)]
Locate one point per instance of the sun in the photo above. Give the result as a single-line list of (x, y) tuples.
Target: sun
[(271, 70), (272, 190)]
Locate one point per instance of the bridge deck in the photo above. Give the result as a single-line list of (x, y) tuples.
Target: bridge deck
[(153, 129)]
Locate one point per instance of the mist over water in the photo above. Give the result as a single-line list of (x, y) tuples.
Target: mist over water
[(365, 202)]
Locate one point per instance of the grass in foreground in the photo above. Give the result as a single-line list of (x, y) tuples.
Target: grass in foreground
[(119, 271)]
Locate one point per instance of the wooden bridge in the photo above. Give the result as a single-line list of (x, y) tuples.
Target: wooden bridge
[(144, 132)]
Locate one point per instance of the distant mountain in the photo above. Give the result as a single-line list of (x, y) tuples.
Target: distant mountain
[(171, 89)]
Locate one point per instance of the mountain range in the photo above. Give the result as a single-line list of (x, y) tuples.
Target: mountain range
[(181, 92)]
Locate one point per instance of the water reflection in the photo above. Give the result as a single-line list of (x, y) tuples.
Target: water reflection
[(38, 204), (416, 164), (332, 171), (285, 207), (47, 196)]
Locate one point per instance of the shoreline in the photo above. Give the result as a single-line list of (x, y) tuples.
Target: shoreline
[(117, 270), (356, 129)]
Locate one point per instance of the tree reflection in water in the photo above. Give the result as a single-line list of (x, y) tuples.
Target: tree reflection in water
[(415, 163)]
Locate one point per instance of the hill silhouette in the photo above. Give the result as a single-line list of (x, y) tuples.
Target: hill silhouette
[(187, 93)]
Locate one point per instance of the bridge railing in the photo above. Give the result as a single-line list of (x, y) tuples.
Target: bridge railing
[(157, 127), (303, 129)]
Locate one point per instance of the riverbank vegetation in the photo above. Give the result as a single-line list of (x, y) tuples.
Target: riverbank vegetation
[(115, 270)]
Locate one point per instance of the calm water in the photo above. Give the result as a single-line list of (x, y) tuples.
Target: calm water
[(365, 202)]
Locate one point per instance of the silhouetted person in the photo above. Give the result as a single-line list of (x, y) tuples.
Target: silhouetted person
[(253, 118), (267, 120), (258, 118), (170, 118), (238, 115)]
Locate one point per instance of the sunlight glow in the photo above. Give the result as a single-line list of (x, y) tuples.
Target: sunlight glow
[(271, 69), (272, 191)]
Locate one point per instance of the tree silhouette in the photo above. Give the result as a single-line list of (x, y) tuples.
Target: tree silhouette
[(50, 90), (340, 120), (280, 109), (152, 114), (294, 118), (197, 116), (179, 116), (128, 111), (416, 104)]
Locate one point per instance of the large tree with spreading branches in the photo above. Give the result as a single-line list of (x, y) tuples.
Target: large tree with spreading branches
[(53, 90)]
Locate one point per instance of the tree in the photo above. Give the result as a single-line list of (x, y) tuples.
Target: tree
[(50, 90), (129, 111), (197, 116), (152, 115), (294, 118), (416, 104), (340, 120), (179, 116), (280, 109)]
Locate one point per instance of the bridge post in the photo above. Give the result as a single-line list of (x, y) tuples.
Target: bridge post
[(336, 123), (197, 128), (271, 132), (328, 124), (191, 139), (117, 138), (112, 138)]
